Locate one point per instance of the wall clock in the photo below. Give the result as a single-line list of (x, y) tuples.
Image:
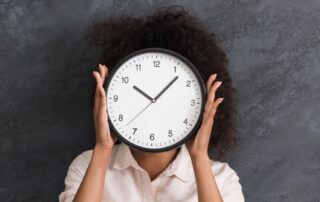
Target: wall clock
[(155, 99)]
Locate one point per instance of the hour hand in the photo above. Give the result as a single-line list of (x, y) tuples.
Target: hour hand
[(144, 94)]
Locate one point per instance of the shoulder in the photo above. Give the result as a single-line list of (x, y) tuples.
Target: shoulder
[(76, 172), (227, 179), (83, 159), (222, 169)]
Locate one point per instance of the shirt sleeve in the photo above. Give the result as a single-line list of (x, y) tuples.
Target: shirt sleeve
[(231, 188), (75, 174)]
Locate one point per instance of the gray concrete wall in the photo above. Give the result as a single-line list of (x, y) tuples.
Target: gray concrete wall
[(46, 80)]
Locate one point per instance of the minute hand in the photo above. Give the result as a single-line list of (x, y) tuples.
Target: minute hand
[(169, 84)]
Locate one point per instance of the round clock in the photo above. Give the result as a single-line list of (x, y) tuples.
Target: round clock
[(155, 99)]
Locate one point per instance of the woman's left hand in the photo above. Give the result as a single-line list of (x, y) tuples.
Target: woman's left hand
[(198, 145)]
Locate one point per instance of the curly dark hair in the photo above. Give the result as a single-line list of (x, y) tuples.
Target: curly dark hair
[(174, 28)]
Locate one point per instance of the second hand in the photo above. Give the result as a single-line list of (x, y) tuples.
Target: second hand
[(139, 113)]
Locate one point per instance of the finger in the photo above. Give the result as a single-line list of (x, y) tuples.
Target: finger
[(106, 72), (100, 93), (218, 102), (102, 72), (99, 79), (102, 110), (103, 101), (213, 90), (96, 97), (211, 95), (215, 107), (210, 81), (113, 137)]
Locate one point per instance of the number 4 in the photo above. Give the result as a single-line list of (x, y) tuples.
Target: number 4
[(185, 121)]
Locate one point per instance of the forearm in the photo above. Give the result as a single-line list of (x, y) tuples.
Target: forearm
[(206, 185), (91, 187)]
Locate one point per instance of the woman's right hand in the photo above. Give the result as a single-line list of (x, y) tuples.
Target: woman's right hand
[(104, 139)]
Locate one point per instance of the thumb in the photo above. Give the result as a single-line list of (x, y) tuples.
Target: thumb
[(114, 138)]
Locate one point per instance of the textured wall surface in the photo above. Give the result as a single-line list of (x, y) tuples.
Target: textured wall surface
[(46, 80)]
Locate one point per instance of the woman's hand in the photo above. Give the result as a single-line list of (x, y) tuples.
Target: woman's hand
[(92, 184), (198, 145), (104, 139)]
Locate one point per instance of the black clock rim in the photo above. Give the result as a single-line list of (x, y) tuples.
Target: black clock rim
[(203, 92)]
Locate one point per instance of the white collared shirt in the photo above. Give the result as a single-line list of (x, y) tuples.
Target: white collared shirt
[(126, 181)]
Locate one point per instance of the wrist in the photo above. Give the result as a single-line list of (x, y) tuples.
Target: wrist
[(200, 162), (102, 151), (200, 157), (100, 157)]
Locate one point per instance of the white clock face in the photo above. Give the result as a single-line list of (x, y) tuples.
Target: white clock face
[(154, 101)]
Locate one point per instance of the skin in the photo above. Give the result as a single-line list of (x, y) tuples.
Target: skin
[(91, 187)]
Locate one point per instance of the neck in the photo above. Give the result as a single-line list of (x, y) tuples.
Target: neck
[(154, 163)]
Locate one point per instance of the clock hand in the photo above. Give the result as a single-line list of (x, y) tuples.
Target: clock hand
[(169, 84), (140, 112), (144, 94), (152, 100)]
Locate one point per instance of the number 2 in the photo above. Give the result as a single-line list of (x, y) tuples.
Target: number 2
[(188, 83)]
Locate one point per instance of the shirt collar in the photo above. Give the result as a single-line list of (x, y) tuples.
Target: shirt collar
[(179, 167)]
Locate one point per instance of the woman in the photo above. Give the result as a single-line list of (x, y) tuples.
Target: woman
[(116, 172)]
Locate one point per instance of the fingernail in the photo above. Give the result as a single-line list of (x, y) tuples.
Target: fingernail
[(214, 75)]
